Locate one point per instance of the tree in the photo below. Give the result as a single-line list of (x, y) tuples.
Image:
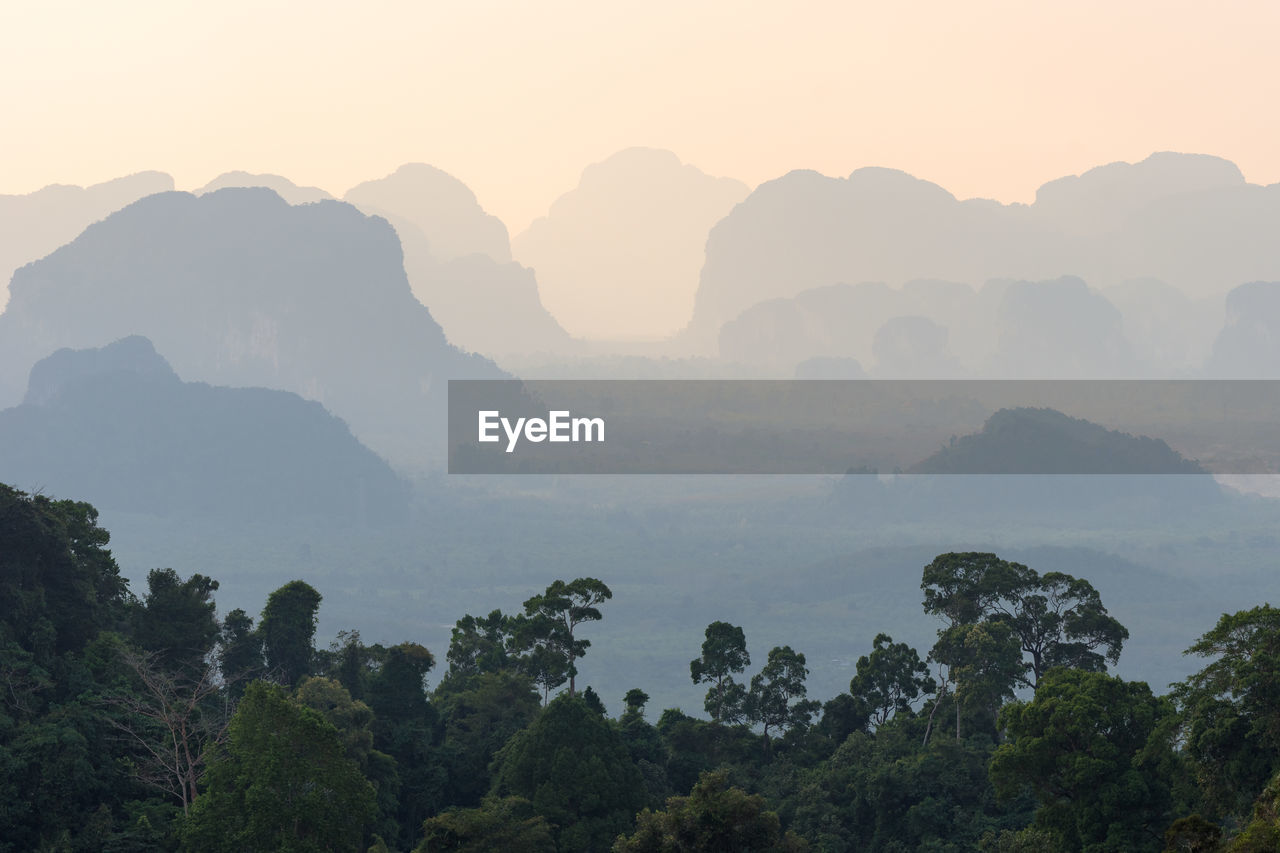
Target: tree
[(1231, 707), (478, 720), (724, 652), (550, 620), (239, 651), (776, 699), (1059, 620), (177, 621), (283, 781), (983, 662), (288, 630), (889, 679), (1095, 750), (480, 644), (715, 816), (509, 825), (573, 766), (171, 718)]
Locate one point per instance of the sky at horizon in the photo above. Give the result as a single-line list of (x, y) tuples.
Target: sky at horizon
[(988, 99)]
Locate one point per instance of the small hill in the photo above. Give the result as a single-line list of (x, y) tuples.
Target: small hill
[(1045, 441), (117, 427)]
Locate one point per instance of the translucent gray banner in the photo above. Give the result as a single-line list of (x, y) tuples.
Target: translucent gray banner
[(864, 426)]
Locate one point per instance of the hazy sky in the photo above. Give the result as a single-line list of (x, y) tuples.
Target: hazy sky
[(516, 97)]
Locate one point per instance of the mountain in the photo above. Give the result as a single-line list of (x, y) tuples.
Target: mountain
[(1187, 220), (239, 288), (283, 187), (1045, 441), (116, 426), (442, 207), (1059, 329), (33, 225), (618, 256), (483, 306), (1248, 347)]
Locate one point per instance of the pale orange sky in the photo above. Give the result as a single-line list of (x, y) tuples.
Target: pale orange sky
[(516, 97)]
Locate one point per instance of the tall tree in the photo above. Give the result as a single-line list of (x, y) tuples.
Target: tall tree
[(177, 619), (552, 618), (724, 653), (239, 651), (480, 644), (1231, 707), (1059, 620), (167, 713), (776, 698), (889, 679), (288, 629)]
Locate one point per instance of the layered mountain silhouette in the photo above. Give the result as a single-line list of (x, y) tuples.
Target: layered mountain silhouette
[(1046, 441), (283, 187), (483, 306), (117, 427), (239, 288), (1187, 220), (33, 225), (458, 260), (1248, 347), (619, 255), (442, 207)]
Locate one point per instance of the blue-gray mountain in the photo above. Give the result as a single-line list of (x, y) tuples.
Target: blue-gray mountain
[(117, 427)]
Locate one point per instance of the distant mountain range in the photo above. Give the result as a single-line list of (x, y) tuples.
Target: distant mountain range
[(117, 427), (33, 225), (1189, 221), (239, 288)]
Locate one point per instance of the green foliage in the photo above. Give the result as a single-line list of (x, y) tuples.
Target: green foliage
[(288, 629), (480, 644), (695, 746), (479, 719), (1192, 834), (776, 699), (509, 825), (714, 816), (239, 651), (177, 620), (406, 726), (724, 653), (886, 792), (1095, 750), (1262, 833), (889, 679), (1231, 707), (546, 630), (1057, 619), (59, 585), (574, 767), (282, 782)]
